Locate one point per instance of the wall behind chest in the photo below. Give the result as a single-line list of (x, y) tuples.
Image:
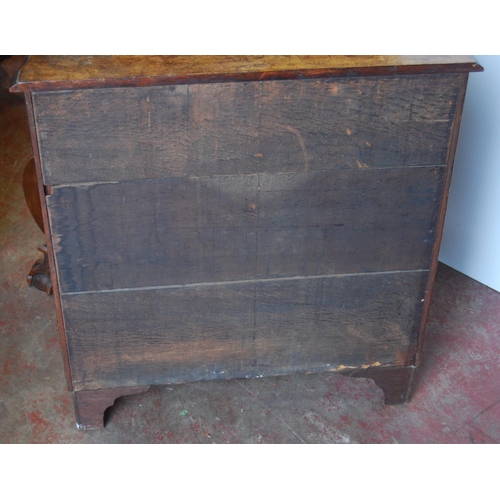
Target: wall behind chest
[(471, 238)]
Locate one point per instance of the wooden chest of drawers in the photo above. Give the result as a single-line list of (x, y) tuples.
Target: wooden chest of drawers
[(224, 217)]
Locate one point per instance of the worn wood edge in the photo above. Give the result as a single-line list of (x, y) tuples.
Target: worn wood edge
[(15, 78), (361, 370), (178, 79), (91, 405), (48, 238), (452, 148)]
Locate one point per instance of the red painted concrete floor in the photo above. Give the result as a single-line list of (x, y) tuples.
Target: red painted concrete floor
[(456, 398)]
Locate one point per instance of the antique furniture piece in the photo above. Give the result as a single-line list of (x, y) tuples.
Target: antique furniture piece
[(222, 217)]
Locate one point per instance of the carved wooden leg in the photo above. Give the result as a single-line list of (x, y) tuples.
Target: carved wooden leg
[(396, 382), (90, 405), (31, 193), (39, 275)]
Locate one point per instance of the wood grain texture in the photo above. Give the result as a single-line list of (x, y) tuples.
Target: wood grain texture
[(63, 72), (213, 229), (180, 334), (245, 128)]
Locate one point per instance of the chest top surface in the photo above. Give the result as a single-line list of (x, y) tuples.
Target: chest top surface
[(69, 72)]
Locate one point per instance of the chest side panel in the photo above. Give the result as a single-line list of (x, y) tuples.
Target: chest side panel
[(244, 128)]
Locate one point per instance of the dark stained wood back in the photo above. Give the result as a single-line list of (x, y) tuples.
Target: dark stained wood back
[(245, 128)]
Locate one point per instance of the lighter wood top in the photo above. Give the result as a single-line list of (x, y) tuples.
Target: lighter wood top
[(65, 72)]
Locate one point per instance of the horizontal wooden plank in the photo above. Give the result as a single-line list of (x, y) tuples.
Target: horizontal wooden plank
[(244, 128), (194, 230), (172, 335), (347, 221), (63, 72)]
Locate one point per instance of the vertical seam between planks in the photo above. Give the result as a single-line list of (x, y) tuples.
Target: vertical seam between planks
[(259, 169), (256, 262)]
